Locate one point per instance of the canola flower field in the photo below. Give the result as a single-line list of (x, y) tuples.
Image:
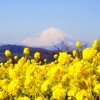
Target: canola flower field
[(69, 77)]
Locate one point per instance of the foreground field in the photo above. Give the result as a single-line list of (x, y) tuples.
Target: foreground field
[(69, 77)]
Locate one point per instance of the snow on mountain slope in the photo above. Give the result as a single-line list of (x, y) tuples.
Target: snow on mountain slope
[(47, 37)]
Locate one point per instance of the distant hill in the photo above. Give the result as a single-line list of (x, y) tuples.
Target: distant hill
[(18, 50)]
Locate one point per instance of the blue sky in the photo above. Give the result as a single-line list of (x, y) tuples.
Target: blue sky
[(20, 19)]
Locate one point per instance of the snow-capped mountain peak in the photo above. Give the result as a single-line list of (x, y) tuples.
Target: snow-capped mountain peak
[(47, 37)]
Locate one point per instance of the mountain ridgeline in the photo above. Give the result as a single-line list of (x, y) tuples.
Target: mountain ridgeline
[(18, 50)]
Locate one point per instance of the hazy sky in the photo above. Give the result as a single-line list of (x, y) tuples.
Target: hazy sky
[(20, 19)]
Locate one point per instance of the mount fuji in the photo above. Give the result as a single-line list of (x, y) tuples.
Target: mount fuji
[(48, 38)]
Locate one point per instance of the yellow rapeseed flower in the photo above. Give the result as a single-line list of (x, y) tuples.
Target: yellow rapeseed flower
[(23, 98), (3, 95), (96, 41), (68, 77), (56, 56), (39, 98), (37, 55), (8, 53), (45, 60), (89, 53), (16, 57), (13, 87), (95, 44), (97, 88), (45, 85), (82, 95), (74, 53), (59, 92), (26, 51), (78, 44), (64, 58)]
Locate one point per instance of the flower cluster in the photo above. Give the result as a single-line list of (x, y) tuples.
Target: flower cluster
[(67, 78)]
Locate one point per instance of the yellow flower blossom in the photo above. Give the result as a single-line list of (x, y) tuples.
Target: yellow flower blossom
[(45, 60), (64, 58), (3, 95), (13, 87), (26, 51), (74, 53), (66, 78), (16, 57), (97, 88), (45, 85), (78, 44), (55, 56), (39, 98), (96, 41), (37, 55), (23, 98), (72, 92), (82, 95), (89, 53), (8, 53), (59, 92), (95, 44)]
